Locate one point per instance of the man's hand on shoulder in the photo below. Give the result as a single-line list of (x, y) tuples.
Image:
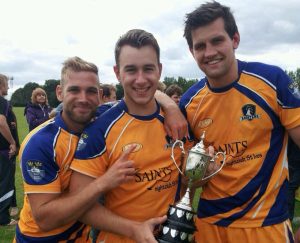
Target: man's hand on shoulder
[(175, 124)]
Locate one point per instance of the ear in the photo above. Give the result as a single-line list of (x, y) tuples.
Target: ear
[(117, 73), (160, 69), (191, 51), (59, 92), (236, 40)]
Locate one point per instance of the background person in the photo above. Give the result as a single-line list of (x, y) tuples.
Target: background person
[(246, 110), (37, 111), (108, 93), (9, 144), (293, 154), (174, 92)]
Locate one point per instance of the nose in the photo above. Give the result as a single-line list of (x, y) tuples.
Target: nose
[(140, 79), (210, 50), (82, 96)]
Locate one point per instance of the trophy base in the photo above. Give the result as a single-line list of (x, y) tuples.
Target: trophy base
[(179, 226)]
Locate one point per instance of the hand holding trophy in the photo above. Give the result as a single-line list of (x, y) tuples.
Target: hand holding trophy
[(180, 226)]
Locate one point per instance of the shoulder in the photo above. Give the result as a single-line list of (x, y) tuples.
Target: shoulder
[(192, 92), (266, 72), (42, 138)]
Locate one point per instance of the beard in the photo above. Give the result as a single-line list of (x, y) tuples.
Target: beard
[(80, 119)]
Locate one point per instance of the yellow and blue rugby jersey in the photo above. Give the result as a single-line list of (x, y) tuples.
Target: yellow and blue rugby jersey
[(247, 120), (156, 177), (45, 157)]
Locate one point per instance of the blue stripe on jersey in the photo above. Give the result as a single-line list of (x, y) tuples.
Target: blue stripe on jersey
[(259, 182), (281, 205), (188, 96), (64, 236)]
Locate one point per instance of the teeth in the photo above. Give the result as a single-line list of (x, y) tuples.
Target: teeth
[(141, 89), (213, 62)]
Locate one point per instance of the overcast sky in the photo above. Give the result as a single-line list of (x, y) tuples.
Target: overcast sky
[(36, 36)]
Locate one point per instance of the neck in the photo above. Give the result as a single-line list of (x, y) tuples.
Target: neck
[(141, 109), (72, 126), (227, 79)]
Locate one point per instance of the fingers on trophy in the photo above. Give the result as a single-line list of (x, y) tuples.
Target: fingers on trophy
[(180, 224)]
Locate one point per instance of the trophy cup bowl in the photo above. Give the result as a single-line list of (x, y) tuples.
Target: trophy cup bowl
[(180, 225)]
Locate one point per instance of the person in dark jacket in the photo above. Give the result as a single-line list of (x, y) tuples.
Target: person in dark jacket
[(293, 154), (9, 145), (37, 111)]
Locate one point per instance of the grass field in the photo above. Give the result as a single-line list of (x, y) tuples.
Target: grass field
[(7, 233)]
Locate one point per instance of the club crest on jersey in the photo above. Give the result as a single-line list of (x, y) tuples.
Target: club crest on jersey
[(249, 113), (294, 88), (82, 142), (35, 170), (138, 147)]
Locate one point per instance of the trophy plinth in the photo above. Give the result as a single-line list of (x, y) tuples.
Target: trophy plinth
[(180, 225)]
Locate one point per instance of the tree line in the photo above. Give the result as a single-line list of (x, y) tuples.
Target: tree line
[(23, 95)]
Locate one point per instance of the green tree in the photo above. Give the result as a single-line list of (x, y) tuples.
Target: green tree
[(295, 75), (23, 95), (120, 91), (50, 89), (181, 82)]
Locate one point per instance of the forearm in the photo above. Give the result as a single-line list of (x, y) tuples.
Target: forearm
[(66, 208), (295, 135), (4, 130), (102, 218), (165, 101)]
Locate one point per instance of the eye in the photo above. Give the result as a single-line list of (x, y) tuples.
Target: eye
[(130, 69), (92, 91), (199, 46), (73, 89), (217, 40), (149, 69)]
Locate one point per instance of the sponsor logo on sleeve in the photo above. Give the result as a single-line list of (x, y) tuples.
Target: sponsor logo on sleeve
[(35, 170)]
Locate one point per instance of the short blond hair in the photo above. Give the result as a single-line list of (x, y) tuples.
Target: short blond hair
[(35, 93), (3, 78), (76, 64)]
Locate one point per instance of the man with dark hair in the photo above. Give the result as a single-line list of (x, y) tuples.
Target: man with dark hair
[(174, 92), (246, 110), (9, 144), (135, 125), (108, 93), (293, 155)]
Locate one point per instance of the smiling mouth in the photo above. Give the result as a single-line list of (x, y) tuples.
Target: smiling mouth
[(141, 90)]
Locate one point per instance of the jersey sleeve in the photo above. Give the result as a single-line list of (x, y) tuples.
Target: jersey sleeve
[(39, 170), (288, 97)]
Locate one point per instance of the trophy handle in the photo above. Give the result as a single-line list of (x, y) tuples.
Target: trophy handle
[(221, 167), (181, 145)]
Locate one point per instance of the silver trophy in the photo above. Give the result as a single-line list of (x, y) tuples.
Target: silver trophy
[(180, 225)]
